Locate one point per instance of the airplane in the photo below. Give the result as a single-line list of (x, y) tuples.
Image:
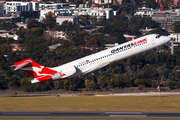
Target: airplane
[(92, 62)]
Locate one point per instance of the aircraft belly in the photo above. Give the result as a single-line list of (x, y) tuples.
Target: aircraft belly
[(94, 67)]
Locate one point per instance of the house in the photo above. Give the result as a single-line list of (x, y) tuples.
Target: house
[(53, 47), (57, 34)]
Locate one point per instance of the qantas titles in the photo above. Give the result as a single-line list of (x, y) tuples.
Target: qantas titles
[(129, 45)]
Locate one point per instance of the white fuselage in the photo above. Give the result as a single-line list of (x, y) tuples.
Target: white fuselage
[(98, 60)]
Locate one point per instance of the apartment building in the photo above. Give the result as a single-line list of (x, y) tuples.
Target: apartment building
[(144, 11), (99, 13), (1, 9), (53, 6), (21, 10), (102, 1), (61, 19), (12, 7)]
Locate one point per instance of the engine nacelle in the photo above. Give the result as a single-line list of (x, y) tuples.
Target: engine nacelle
[(64, 73), (56, 76)]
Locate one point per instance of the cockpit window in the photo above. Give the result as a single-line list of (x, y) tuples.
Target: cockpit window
[(158, 35)]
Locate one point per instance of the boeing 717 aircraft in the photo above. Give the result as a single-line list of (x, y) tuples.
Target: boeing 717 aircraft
[(92, 62)]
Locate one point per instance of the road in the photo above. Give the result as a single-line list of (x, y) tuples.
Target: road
[(89, 115)]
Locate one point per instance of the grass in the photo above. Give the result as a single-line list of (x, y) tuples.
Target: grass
[(120, 103), (86, 119)]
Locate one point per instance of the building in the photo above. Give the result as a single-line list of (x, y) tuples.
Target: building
[(24, 25), (56, 8), (44, 12), (99, 13), (102, 1), (57, 34), (84, 6), (9, 34), (62, 12), (21, 10), (176, 37), (176, 1), (53, 47), (169, 17), (13, 7), (60, 19), (144, 11), (1, 9), (166, 20), (53, 6), (91, 12)]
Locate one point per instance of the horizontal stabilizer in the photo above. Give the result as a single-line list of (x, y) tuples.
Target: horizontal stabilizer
[(25, 63)]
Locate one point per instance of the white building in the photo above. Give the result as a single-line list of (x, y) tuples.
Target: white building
[(62, 12), (84, 6), (61, 19), (145, 11), (56, 8), (13, 7), (99, 13), (57, 34), (35, 6), (1, 9), (53, 6), (44, 12), (102, 1), (176, 37)]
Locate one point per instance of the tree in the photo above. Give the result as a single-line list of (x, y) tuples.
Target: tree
[(83, 20), (36, 31), (5, 49), (7, 24), (159, 31), (176, 27), (93, 42), (34, 23), (49, 20), (3, 84), (117, 80), (89, 85), (66, 84), (79, 38)]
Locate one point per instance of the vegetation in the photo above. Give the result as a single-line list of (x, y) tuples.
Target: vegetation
[(147, 69), (7, 24)]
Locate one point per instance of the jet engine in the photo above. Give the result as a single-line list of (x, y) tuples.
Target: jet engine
[(64, 73)]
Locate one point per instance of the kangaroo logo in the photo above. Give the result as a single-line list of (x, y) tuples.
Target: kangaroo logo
[(37, 70)]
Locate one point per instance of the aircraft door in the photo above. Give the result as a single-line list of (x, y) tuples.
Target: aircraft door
[(152, 41)]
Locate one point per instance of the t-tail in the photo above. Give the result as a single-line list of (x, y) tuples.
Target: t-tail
[(39, 72)]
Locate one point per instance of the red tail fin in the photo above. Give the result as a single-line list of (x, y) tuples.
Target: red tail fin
[(39, 72)]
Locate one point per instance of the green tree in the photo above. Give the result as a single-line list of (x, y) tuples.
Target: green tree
[(89, 85), (34, 23), (25, 81), (159, 31), (66, 84), (176, 27), (49, 20), (93, 42), (83, 20), (35, 31), (117, 80)]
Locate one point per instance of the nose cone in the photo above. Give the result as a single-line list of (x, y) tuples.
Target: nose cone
[(166, 39)]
